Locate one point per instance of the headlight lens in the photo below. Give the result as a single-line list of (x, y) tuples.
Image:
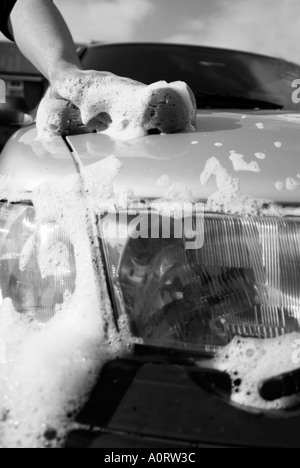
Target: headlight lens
[(37, 263), (245, 281)]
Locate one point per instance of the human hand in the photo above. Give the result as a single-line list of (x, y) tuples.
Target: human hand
[(125, 108)]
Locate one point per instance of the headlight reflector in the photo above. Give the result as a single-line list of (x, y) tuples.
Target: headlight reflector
[(245, 281), (37, 263)]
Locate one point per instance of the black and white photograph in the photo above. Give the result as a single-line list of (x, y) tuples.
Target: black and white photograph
[(149, 227)]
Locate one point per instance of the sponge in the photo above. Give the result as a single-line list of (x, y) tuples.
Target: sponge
[(120, 107)]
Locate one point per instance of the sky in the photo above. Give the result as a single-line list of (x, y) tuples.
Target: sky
[(265, 26)]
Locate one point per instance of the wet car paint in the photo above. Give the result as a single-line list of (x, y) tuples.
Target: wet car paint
[(180, 157)]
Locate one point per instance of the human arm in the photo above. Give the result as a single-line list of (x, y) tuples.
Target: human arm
[(43, 37)]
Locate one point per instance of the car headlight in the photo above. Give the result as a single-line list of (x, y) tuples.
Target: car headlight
[(245, 280), (37, 263)]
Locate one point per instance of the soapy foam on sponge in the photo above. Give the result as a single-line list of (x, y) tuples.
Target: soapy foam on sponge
[(122, 108)]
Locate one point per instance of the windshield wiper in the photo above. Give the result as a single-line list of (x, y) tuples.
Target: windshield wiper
[(222, 101), (283, 385)]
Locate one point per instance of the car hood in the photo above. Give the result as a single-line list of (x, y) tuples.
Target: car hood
[(154, 163)]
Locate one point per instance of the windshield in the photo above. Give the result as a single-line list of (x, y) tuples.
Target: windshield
[(205, 70)]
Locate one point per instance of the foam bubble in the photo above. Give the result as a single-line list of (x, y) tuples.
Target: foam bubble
[(295, 118), (239, 164), (292, 184), (279, 186), (179, 193), (260, 155)]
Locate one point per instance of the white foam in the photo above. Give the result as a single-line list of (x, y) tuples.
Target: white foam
[(260, 126), (119, 107), (56, 117), (295, 118), (260, 155), (228, 198), (279, 186), (277, 144), (239, 164), (163, 181), (292, 184), (251, 361), (179, 193), (51, 368)]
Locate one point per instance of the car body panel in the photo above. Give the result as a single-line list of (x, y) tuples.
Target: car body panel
[(30, 162), (131, 397), (180, 157), (159, 396)]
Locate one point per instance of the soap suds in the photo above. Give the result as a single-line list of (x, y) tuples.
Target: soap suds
[(260, 126), (279, 186), (295, 118), (163, 181), (119, 107), (179, 193), (239, 164), (51, 367), (292, 184), (228, 198), (260, 155), (59, 117), (278, 144), (251, 361)]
